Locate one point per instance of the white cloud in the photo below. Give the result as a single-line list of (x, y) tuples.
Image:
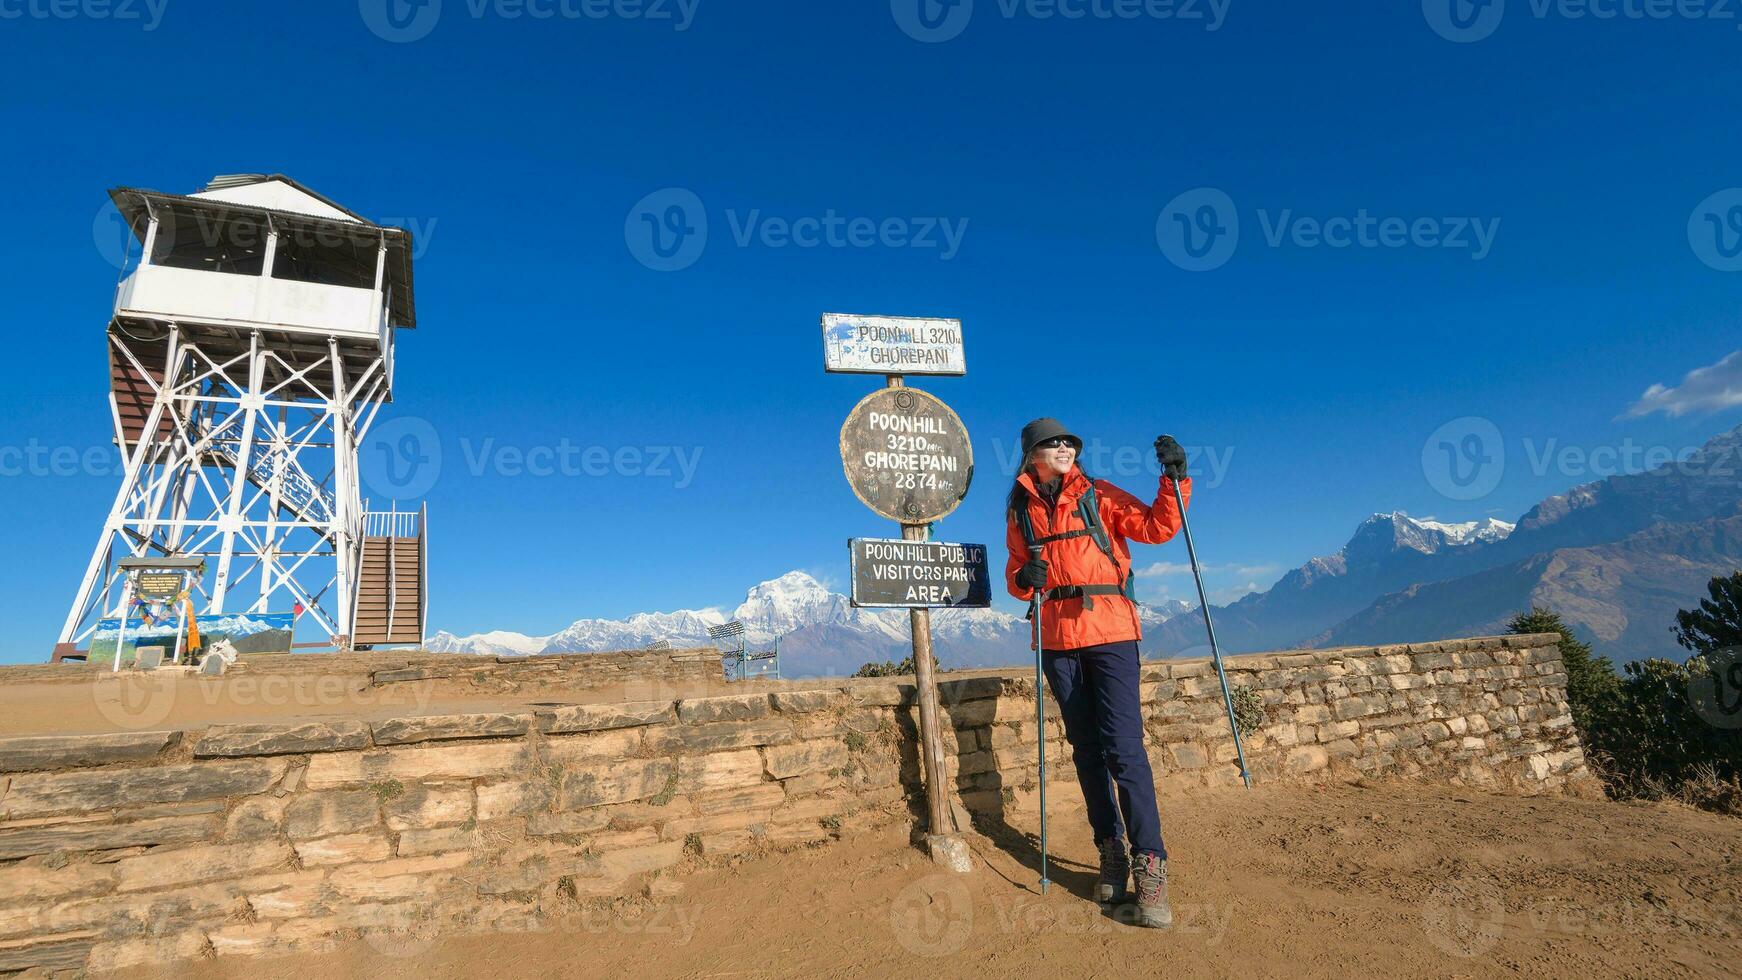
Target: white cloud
[(1707, 389), (1163, 568)]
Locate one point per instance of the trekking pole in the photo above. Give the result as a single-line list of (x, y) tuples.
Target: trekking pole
[(1035, 605), (1215, 653)]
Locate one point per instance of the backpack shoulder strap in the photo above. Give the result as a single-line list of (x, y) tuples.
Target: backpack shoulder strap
[(1089, 510)]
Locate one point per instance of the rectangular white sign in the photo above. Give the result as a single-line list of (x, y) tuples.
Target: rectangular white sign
[(892, 345)]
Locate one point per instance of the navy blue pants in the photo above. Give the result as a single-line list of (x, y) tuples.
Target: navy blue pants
[(1096, 690)]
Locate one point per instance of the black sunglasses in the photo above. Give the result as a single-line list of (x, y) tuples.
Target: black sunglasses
[(1056, 442)]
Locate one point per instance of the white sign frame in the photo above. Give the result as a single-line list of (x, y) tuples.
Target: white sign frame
[(904, 345)]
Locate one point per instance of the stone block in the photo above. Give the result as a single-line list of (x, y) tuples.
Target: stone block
[(343, 849), (21, 842), (805, 702), (398, 878), (417, 843), (186, 865), (20, 883), (39, 795), (1306, 758), (32, 753), (731, 707), (435, 728), (41, 954), (1188, 756), (256, 818), (150, 951), (569, 822), (514, 798), (602, 784), (332, 812), (618, 743), (722, 770), (599, 717), (719, 735), (422, 806), (246, 740), (459, 761), (817, 755)]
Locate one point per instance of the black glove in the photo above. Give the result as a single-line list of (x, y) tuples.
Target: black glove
[(1032, 575), (1172, 457)]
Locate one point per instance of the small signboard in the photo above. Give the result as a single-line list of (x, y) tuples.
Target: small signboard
[(159, 585), (892, 345), (906, 455), (919, 574)]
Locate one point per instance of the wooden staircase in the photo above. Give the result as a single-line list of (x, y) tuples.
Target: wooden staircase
[(391, 593)]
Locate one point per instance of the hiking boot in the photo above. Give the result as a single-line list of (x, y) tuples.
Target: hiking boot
[(1115, 872), (1152, 908)]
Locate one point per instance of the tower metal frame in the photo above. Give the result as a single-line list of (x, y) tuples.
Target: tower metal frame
[(248, 457)]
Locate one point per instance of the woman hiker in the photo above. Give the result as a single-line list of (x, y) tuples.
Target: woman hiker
[(1089, 640)]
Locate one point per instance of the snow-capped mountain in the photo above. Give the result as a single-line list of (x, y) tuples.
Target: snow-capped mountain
[(820, 632)]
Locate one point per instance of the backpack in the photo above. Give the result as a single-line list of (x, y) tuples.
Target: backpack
[(1089, 512)]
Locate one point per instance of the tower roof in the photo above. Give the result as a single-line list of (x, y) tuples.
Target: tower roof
[(286, 201)]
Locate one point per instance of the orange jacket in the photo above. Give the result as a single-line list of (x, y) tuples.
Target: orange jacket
[(1066, 625)]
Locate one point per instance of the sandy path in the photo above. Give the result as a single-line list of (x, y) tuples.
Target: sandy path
[(1393, 880)]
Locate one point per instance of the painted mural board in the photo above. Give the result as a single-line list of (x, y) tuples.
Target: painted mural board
[(248, 632)]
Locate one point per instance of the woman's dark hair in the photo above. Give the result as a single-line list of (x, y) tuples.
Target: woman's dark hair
[(1018, 497)]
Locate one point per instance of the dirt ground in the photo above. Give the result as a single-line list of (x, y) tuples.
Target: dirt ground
[(1390, 879)]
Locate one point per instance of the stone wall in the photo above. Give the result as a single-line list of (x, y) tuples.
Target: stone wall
[(149, 847)]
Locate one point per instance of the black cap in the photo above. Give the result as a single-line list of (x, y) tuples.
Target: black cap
[(1040, 430)]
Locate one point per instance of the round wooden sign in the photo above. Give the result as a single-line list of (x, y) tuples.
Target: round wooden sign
[(906, 455)]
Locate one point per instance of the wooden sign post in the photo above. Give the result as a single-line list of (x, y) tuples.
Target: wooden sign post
[(907, 457)]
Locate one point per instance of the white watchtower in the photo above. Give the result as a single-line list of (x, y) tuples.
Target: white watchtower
[(251, 348)]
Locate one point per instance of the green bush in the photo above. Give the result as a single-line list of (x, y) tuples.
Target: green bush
[(1643, 735)]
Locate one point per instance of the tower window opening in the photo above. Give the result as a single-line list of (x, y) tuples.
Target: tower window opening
[(329, 258), (211, 243)]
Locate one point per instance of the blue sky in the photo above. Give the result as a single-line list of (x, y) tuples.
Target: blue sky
[(1527, 192)]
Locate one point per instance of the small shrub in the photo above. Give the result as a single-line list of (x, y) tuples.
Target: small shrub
[(388, 790), (1248, 711), (855, 741), (692, 844)]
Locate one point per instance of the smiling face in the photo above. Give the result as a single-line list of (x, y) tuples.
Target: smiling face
[(1053, 458)]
